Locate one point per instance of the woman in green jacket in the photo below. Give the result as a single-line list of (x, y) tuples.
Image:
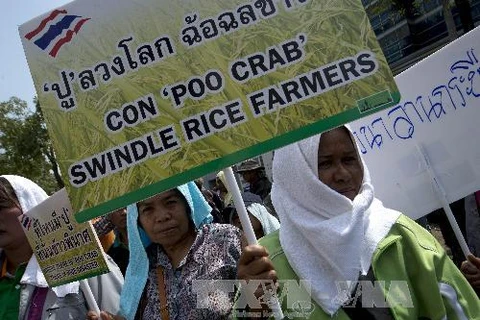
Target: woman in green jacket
[(24, 291), (353, 258)]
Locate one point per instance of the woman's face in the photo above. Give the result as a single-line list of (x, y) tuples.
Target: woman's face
[(220, 186), (164, 218), (119, 218), (339, 165), (249, 176), (11, 232)]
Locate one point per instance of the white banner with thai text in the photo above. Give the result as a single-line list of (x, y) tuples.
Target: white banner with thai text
[(439, 110)]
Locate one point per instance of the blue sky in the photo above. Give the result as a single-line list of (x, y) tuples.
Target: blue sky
[(15, 78)]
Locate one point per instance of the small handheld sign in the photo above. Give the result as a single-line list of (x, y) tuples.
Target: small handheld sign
[(66, 250)]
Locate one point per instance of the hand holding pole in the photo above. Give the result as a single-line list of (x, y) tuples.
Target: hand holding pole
[(247, 226)]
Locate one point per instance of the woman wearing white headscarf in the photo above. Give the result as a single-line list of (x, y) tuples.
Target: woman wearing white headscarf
[(24, 292), (225, 194), (262, 221), (335, 232), (268, 222)]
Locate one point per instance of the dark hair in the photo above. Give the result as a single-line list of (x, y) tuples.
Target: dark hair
[(8, 198), (199, 183), (187, 206)]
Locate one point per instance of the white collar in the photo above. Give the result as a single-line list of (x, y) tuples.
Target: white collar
[(34, 276)]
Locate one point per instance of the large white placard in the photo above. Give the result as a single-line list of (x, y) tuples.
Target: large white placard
[(440, 111)]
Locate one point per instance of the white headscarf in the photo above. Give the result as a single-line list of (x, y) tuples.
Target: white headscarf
[(269, 223), (254, 206), (326, 237), (228, 197), (29, 194)]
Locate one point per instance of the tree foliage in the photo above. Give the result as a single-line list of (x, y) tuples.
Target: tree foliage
[(25, 147)]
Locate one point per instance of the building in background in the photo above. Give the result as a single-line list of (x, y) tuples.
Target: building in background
[(410, 30)]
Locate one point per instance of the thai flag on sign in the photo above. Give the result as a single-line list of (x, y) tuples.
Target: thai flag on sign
[(26, 222), (61, 29)]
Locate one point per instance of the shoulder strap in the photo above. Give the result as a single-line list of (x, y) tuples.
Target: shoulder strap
[(162, 294), (37, 303), (477, 200)]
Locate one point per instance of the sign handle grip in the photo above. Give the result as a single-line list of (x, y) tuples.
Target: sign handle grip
[(89, 296), (247, 228), (442, 195), (240, 206)]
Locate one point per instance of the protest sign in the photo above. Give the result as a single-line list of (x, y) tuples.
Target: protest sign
[(440, 111), (139, 98), (65, 250)]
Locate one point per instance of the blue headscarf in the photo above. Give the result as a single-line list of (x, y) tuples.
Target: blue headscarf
[(137, 270)]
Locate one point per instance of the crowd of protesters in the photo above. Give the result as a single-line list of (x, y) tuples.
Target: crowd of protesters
[(330, 230)]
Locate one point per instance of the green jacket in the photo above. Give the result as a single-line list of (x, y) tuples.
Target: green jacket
[(105, 289), (415, 269)]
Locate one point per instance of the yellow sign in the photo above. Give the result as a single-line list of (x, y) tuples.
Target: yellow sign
[(139, 98), (65, 250)]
